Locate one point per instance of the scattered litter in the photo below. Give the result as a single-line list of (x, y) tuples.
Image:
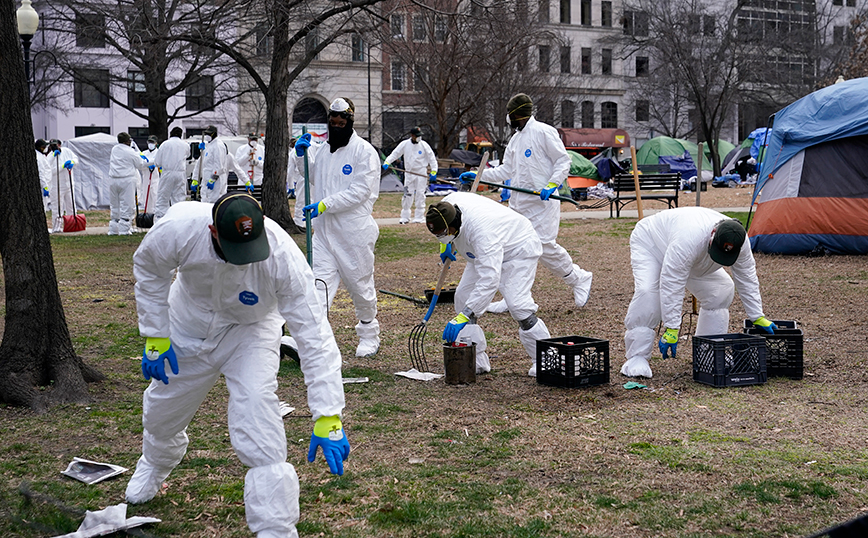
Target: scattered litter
[(108, 521), (811, 462), (98, 300), (285, 409), (91, 472), (413, 373), (633, 385), (355, 380), (416, 461)]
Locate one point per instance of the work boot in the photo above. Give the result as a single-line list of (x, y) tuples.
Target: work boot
[(580, 281), (145, 483), (369, 338), (497, 307)]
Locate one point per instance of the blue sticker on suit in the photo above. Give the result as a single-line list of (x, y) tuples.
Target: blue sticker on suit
[(527, 152), (248, 297), (347, 170)]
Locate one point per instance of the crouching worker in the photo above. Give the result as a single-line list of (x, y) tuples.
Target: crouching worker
[(502, 250), (238, 277), (686, 248)]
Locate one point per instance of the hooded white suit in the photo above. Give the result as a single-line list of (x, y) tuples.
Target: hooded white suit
[(669, 253), (214, 160), (172, 160), (62, 183), (418, 158), (124, 166), (226, 319)]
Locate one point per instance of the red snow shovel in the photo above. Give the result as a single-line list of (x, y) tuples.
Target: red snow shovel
[(73, 223)]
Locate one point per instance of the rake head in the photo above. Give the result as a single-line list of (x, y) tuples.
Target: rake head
[(417, 347)]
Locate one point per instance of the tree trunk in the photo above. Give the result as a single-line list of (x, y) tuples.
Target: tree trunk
[(36, 350)]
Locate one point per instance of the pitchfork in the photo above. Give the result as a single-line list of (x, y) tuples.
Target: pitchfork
[(417, 335)]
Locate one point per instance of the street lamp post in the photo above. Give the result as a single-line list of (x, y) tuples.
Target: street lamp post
[(28, 22)]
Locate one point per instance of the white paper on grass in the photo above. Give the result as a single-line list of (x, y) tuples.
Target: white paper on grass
[(91, 472), (285, 409), (107, 521), (413, 373)]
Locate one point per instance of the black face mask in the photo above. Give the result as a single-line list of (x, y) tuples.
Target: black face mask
[(414, 140), (340, 136)]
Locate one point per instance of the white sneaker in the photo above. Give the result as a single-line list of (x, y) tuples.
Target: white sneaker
[(497, 307)]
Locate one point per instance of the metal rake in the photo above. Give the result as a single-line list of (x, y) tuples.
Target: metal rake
[(416, 342)]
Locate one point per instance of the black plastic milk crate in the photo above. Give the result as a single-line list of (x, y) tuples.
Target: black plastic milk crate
[(729, 360), (572, 361), (784, 349)]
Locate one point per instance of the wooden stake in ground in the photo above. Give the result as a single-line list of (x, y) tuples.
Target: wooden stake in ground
[(636, 181), (699, 156)]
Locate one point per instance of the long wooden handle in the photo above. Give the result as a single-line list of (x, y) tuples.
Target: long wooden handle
[(482, 164), (636, 181), (437, 289)]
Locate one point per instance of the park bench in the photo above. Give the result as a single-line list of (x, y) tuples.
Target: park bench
[(663, 187)]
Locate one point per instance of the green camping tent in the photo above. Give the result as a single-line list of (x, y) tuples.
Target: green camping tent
[(582, 167), (665, 146)]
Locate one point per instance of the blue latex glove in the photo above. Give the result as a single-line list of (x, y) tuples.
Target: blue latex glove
[(57, 153), (210, 184), (386, 166), (328, 433), (504, 193), (548, 191), (432, 177), (447, 251), (450, 333), (467, 177), (152, 167), (668, 342), (766, 325), (68, 165), (144, 158), (249, 187), (302, 144), (315, 209), (44, 192), (194, 186), (201, 146), (157, 350)]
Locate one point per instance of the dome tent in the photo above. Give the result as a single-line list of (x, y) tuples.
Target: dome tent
[(814, 175)]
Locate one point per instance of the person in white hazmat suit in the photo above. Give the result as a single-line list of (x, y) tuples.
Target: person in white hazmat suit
[(502, 250), (251, 157), (420, 165), (171, 160), (62, 160), (44, 166), (215, 167), (124, 166), (149, 185), (237, 277), (686, 248), (345, 182), (535, 159)]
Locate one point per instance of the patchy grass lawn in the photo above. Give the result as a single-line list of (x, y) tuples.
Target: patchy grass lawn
[(504, 457)]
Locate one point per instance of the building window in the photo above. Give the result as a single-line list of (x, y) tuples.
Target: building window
[(636, 23), (136, 90), (397, 76), (89, 31), (586, 12), (609, 115), (358, 48), (91, 129), (545, 112), (586, 61), (544, 58), (565, 59), (91, 88), (838, 35), (568, 114), (544, 11), (440, 29), (565, 11), (641, 66), (397, 25), (587, 115), (311, 42), (139, 136), (606, 14), (606, 63), (200, 94), (851, 3), (837, 2), (708, 25), (263, 40), (418, 28), (420, 77), (643, 110)]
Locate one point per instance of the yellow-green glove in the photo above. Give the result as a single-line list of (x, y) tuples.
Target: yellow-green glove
[(328, 433), (765, 324), (668, 342)]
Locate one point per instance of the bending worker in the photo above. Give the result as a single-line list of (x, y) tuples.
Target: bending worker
[(420, 165), (124, 166), (345, 181), (688, 248), (536, 159), (502, 250), (238, 277)]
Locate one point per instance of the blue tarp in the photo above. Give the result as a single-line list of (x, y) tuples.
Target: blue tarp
[(683, 164), (759, 137), (836, 111)]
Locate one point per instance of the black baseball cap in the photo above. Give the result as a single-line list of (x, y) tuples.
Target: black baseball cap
[(439, 216), (241, 228), (727, 241)]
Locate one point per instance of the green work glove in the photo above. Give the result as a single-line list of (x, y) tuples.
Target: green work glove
[(668, 342), (766, 325), (328, 433)]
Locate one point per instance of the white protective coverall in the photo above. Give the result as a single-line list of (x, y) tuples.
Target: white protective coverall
[(502, 250), (215, 162), (250, 159), (43, 164), (295, 180), (535, 156), (60, 189), (669, 252), (172, 160), (347, 182), (148, 197), (226, 319), (418, 158), (124, 166)]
